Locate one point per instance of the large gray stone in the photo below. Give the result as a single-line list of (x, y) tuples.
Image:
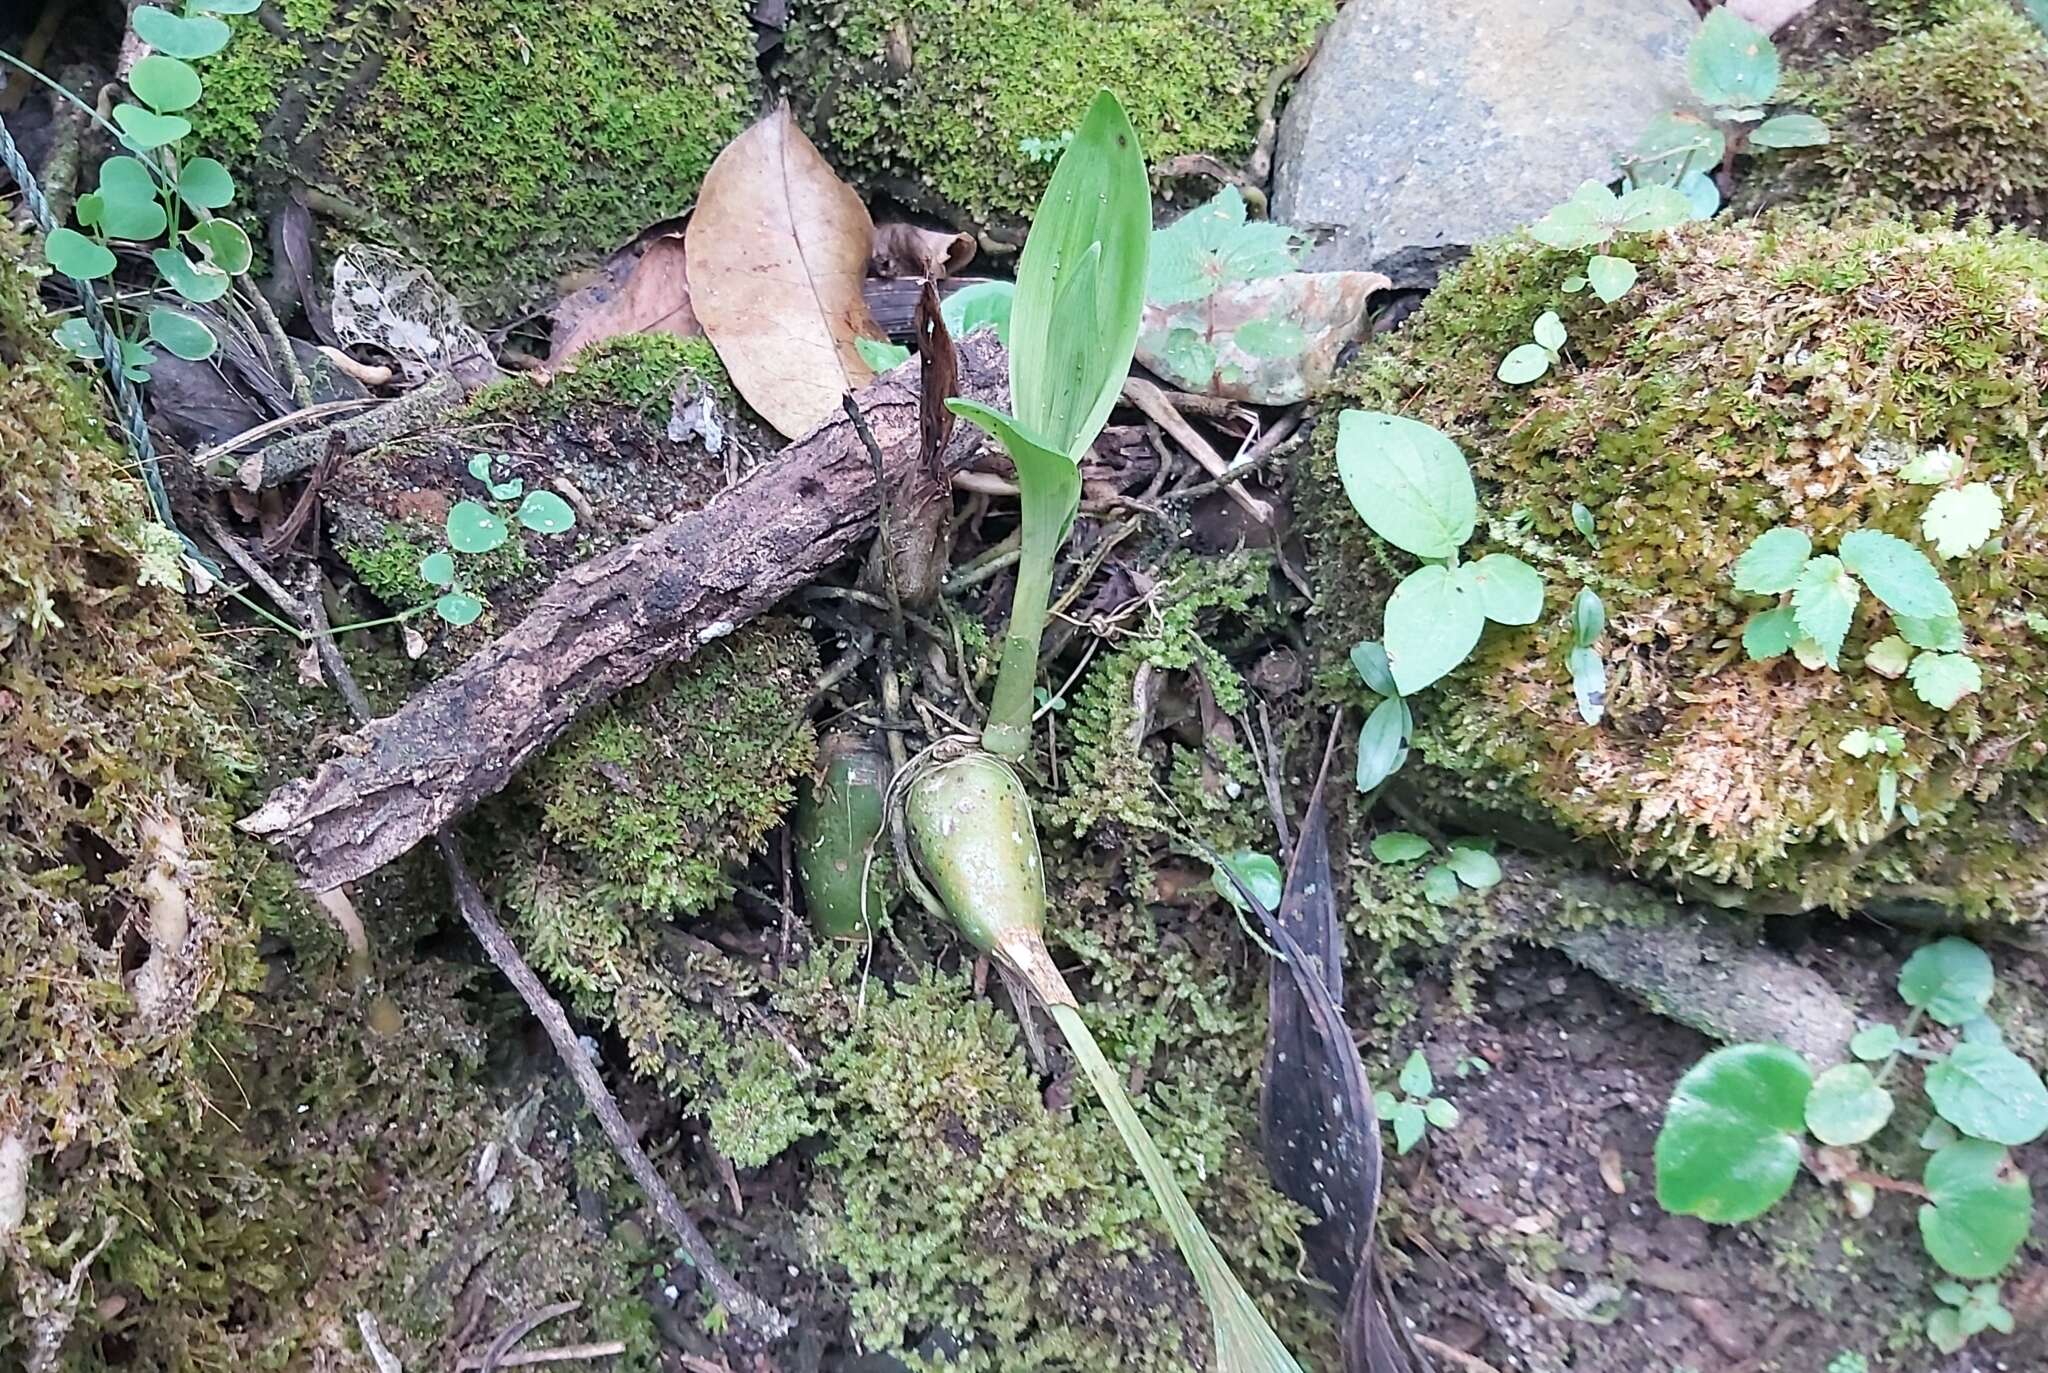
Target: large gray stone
[(1424, 126)]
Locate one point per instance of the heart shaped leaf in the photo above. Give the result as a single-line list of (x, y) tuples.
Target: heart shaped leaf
[(1732, 61), (1949, 979), (1509, 590), (164, 84), (142, 129), (1846, 1105), (180, 334), (75, 255), (176, 35), (546, 513), (226, 245), (1730, 1144), (1990, 1092), (1977, 1214), (472, 528)]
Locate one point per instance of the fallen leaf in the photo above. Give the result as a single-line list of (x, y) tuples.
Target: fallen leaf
[(907, 250), (1610, 1170), (1270, 341), (938, 377), (778, 248), (643, 289)]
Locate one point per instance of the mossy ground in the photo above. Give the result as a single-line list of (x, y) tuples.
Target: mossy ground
[(962, 107), (1760, 373), (507, 142), (1951, 115)]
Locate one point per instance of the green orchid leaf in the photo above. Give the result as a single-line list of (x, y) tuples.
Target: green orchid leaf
[(880, 354), (1589, 617), (1732, 62), (77, 256), (1433, 620), (1730, 1145), (1789, 131), (164, 84), (1898, 574), (1824, 604), (1399, 846), (1582, 520), (1589, 682), (1771, 565), (1990, 1092), (177, 35), (205, 184), (474, 528), (1950, 980), (1081, 284), (1846, 1105), (1942, 679), (1408, 482), (1383, 743), (180, 334), (546, 513), (1978, 1213)]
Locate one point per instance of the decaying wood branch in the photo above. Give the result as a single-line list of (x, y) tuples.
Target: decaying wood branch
[(603, 626)]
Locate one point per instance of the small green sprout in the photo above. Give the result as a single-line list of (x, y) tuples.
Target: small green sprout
[(474, 529), (1468, 861), (1417, 1108), (1734, 1134), (1588, 669), (1848, 1361), (1967, 1311), (1413, 488), (1389, 727), (1528, 361), (1886, 742)]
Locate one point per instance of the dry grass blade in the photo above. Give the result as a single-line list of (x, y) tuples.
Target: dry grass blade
[(778, 248)]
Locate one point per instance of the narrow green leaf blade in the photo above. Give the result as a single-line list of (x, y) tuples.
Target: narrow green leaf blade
[(1382, 743)]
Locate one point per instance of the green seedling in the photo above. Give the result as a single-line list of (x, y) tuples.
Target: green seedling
[(1734, 70), (1848, 1361), (1963, 517), (1467, 862), (1417, 1109), (1588, 668), (1594, 217), (1818, 595), (1413, 488), (1886, 745), (969, 834), (1389, 727), (1528, 361), (1737, 1128), (153, 199), (1966, 1311), (473, 529)]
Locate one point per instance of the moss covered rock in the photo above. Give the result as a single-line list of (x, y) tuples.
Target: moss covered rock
[(962, 108), (506, 141), (1950, 116), (1761, 374)]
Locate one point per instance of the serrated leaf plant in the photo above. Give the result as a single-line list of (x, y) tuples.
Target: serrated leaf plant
[(155, 201), (1413, 488), (1737, 1128), (1818, 595)]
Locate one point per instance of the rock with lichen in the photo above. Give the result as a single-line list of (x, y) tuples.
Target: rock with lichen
[(962, 108), (1760, 374), (1949, 116), (505, 143)]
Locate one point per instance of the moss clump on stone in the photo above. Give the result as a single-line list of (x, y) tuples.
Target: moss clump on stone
[(962, 107), (663, 791), (509, 142), (1761, 374), (1952, 117)]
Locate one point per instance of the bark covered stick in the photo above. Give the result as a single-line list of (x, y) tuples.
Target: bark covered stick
[(606, 625)]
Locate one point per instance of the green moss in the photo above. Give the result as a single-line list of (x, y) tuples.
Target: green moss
[(963, 105), (1112, 761), (636, 372), (1739, 386), (663, 790), (389, 569), (509, 142), (1952, 117)]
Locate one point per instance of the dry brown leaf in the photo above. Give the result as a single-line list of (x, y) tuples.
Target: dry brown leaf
[(1272, 341), (643, 289), (906, 250), (778, 248)]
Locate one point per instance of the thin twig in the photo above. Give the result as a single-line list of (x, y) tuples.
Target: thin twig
[(1158, 408), (526, 1358)]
